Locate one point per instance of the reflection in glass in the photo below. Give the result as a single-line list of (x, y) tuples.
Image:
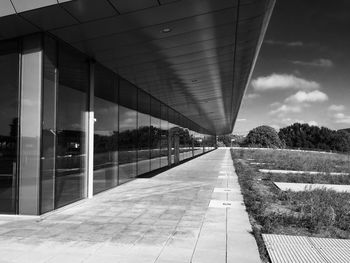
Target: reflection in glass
[(105, 130), (127, 144), (200, 139), (143, 153), (143, 132), (171, 131), (164, 125), (105, 145), (127, 131), (184, 143), (71, 133), (155, 138), (9, 63)]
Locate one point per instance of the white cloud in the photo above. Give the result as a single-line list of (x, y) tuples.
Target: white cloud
[(339, 115), (241, 120), (296, 104), (284, 43), (322, 62), (342, 118), (275, 126), (312, 96), (283, 109), (252, 96), (275, 104), (283, 82), (289, 121), (312, 123), (336, 107)]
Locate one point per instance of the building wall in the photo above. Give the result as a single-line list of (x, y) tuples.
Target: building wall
[(97, 130)]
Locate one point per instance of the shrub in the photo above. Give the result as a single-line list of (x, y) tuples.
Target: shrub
[(263, 136)]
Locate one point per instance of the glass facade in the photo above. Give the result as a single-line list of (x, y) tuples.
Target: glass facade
[(9, 130), (143, 132), (164, 129), (131, 132), (155, 134), (73, 84), (106, 121), (127, 131)]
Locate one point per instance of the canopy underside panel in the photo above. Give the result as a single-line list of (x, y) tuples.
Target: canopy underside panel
[(194, 55)]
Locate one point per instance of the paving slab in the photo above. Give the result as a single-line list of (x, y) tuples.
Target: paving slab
[(299, 187), (168, 218)]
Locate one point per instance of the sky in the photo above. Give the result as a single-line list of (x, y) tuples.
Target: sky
[(303, 70)]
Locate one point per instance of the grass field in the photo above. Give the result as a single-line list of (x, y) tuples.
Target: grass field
[(298, 160), (320, 213)]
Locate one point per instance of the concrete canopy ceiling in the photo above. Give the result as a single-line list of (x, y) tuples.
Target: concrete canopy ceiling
[(194, 55)]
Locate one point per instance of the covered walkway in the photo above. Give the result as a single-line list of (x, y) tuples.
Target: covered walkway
[(191, 213)]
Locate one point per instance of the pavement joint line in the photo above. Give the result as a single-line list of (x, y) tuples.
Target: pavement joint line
[(226, 235), (167, 241), (198, 236)]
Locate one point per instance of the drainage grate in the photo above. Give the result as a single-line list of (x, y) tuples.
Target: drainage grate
[(300, 249)]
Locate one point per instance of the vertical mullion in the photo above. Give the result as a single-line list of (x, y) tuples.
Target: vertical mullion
[(19, 96)]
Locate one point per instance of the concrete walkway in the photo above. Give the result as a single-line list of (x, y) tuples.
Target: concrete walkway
[(191, 213)]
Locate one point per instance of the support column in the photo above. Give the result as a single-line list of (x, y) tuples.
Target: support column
[(30, 125)]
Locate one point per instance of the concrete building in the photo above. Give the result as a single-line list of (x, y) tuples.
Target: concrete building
[(97, 92)]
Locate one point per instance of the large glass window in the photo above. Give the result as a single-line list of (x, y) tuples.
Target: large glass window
[(188, 140), (164, 125), (105, 130), (172, 130), (71, 129), (127, 131), (9, 68), (143, 133), (155, 134)]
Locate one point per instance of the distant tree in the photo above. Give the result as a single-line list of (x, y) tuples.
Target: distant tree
[(340, 141), (263, 136), (225, 139), (312, 137)]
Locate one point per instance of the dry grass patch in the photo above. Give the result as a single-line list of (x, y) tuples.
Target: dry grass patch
[(297, 160)]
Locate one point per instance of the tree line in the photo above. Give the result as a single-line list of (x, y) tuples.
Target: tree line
[(295, 136), (305, 136)]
